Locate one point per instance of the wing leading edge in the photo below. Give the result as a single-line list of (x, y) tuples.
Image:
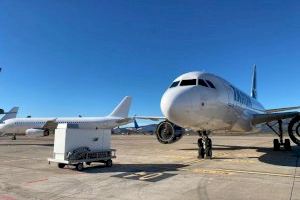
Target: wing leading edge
[(269, 117)]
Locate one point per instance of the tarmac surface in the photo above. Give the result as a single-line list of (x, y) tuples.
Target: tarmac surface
[(243, 167)]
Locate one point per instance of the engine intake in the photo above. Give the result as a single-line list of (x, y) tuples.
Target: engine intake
[(294, 130), (167, 132)]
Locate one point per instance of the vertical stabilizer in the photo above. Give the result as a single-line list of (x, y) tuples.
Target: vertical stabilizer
[(11, 114), (136, 126), (122, 109), (254, 84)]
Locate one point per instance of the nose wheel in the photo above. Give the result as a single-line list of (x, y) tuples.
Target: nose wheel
[(205, 146)]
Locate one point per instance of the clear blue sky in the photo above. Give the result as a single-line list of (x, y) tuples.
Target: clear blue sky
[(64, 58)]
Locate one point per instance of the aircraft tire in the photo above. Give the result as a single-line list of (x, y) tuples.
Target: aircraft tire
[(200, 143), (287, 145), (276, 145), (201, 153), (208, 150)]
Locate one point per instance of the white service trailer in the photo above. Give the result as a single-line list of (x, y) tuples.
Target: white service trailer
[(79, 146)]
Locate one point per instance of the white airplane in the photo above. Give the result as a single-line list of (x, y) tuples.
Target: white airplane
[(44, 126), (205, 103)]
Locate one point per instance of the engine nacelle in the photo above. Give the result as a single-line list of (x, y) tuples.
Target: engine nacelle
[(294, 130), (36, 132), (167, 132)]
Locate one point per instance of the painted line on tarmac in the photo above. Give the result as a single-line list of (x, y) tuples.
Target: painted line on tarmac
[(36, 181), (231, 171), (189, 162), (22, 159)]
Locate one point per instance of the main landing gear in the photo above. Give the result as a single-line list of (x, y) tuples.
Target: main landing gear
[(205, 145), (277, 143)]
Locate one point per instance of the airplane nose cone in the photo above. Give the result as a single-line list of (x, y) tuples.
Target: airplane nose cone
[(176, 106)]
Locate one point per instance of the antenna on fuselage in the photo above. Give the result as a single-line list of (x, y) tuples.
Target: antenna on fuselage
[(254, 84)]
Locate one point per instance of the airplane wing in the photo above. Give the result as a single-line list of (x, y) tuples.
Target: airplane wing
[(153, 118), (50, 125), (282, 109), (125, 120), (269, 117)]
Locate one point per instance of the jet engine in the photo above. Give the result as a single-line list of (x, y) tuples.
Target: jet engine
[(36, 132), (294, 130), (167, 132)]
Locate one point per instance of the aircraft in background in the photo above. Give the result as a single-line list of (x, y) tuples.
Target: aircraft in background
[(146, 129), (9, 115), (204, 102), (45, 126)]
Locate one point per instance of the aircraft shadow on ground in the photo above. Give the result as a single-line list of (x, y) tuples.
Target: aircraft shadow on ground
[(22, 144), (280, 158), (133, 168)]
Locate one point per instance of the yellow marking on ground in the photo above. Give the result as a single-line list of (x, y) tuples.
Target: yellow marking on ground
[(232, 171), (210, 171), (189, 162), (21, 159), (239, 160)]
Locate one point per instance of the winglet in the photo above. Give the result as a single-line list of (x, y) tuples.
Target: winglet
[(254, 84), (11, 114), (122, 109)]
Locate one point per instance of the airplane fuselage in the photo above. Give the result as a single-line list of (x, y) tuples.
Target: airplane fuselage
[(203, 101), (20, 125)]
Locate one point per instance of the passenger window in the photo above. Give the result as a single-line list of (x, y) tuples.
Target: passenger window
[(174, 84), (202, 82), (210, 84), (188, 82)]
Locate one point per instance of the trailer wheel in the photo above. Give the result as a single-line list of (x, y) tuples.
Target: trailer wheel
[(109, 163), (61, 165), (79, 166)]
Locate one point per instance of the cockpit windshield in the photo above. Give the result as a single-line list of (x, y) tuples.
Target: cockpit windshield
[(174, 84), (188, 82)]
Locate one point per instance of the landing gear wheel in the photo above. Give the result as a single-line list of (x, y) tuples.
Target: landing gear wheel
[(79, 166), (13, 137), (276, 145), (200, 143), (208, 149), (61, 165), (109, 163), (201, 151), (287, 145)]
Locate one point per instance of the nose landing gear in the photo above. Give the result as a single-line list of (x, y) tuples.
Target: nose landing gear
[(205, 145)]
